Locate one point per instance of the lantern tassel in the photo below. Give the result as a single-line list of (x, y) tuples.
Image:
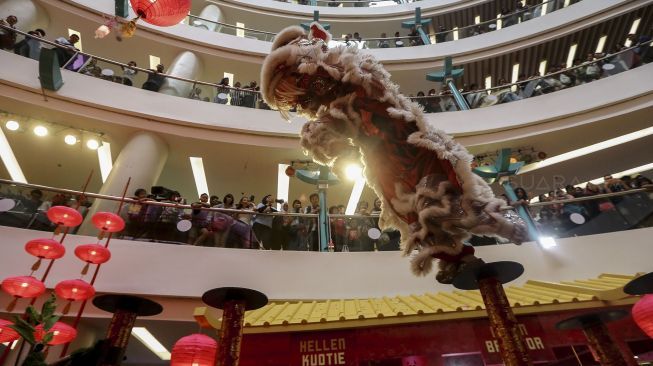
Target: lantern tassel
[(66, 308), (85, 269), (36, 265), (12, 305), (57, 230), (100, 235)]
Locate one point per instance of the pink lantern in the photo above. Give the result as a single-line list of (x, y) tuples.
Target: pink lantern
[(62, 333), (643, 314), (196, 350), (64, 216), (7, 334), (44, 249), (163, 13)]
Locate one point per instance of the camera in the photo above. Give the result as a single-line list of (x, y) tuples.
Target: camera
[(279, 200)]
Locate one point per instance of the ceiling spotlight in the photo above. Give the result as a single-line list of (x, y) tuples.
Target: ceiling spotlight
[(12, 125), (40, 131), (353, 171), (92, 144), (70, 139)]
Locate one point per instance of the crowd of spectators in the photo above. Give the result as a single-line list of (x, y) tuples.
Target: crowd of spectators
[(244, 223), (594, 67), (556, 219)]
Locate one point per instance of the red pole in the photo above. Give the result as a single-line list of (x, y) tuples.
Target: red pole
[(231, 333), (82, 307), (512, 345)]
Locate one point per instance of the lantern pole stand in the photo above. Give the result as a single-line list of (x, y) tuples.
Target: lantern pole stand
[(78, 317), (8, 349), (233, 301), (641, 285), (603, 347), (489, 279), (125, 309)]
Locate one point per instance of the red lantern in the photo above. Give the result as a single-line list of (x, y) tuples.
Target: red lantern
[(163, 13), (44, 249), (7, 334), (22, 287), (64, 216), (74, 290), (290, 171), (92, 254), (196, 350), (643, 314), (62, 333), (107, 222)]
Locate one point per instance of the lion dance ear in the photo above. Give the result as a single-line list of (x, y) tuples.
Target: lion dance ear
[(287, 35), (317, 31)]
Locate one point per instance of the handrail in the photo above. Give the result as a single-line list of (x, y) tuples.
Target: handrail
[(464, 28), (215, 85), (117, 63), (152, 203), (646, 188)]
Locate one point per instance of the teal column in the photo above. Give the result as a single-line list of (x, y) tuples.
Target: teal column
[(502, 170), (447, 76), (316, 18), (419, 24), (322, 179)]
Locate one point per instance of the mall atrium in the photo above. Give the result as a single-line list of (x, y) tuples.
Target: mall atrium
[(326, 182)]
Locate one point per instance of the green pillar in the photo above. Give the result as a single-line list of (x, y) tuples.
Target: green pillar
[(419, 25), (447, 76)]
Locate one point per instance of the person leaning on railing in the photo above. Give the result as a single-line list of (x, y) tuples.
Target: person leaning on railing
[(8, 37), (155, 79)]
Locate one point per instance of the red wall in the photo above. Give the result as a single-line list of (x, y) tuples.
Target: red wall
[(417, 344)]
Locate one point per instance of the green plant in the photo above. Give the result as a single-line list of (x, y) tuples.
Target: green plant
[(26, 327)]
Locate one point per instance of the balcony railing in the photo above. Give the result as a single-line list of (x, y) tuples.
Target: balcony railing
[(350, 3), (470, 30), (162, 220), (605, 66)]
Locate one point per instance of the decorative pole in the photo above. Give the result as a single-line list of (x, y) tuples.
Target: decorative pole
[(233, 301), (418, 23), (321, 179), (447, 77), (603, 347), (489, 279), (125, 309), (316, 18), (502, 170)]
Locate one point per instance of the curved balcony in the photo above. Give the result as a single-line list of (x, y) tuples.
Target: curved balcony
[(565, 21)]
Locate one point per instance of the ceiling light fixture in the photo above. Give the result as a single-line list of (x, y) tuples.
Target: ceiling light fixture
[(40, 131), (197, 165), (353, 172), (12, 125), (145, 337), (70, 139), (93, 144)]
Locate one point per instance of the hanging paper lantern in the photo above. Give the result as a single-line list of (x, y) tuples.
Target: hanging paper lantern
[(44, 249), (643, 314), (290, 171), (196, 350), (64, 216), (62, 333), (163, 13), (7, 334), (107, 222), (92, 254), (74, 290), (102, 31), (22, 287)]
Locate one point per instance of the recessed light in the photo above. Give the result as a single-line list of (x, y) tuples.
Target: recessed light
[(40, 131), (12, 125), (92, 144), (70, 139)]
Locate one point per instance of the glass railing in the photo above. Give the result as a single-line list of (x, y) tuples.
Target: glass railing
[(601, 67), (517, 16), (349, 3), (563, 78), (169, 220)]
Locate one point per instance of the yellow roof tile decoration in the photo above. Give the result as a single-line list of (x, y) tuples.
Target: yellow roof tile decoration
[(531, 297)]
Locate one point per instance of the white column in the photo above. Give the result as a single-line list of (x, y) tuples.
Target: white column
[(186, 65), (142, 159), (210, 12), (30, 15)]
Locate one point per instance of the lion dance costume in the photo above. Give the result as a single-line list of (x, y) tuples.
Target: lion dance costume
[(422, 175)]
